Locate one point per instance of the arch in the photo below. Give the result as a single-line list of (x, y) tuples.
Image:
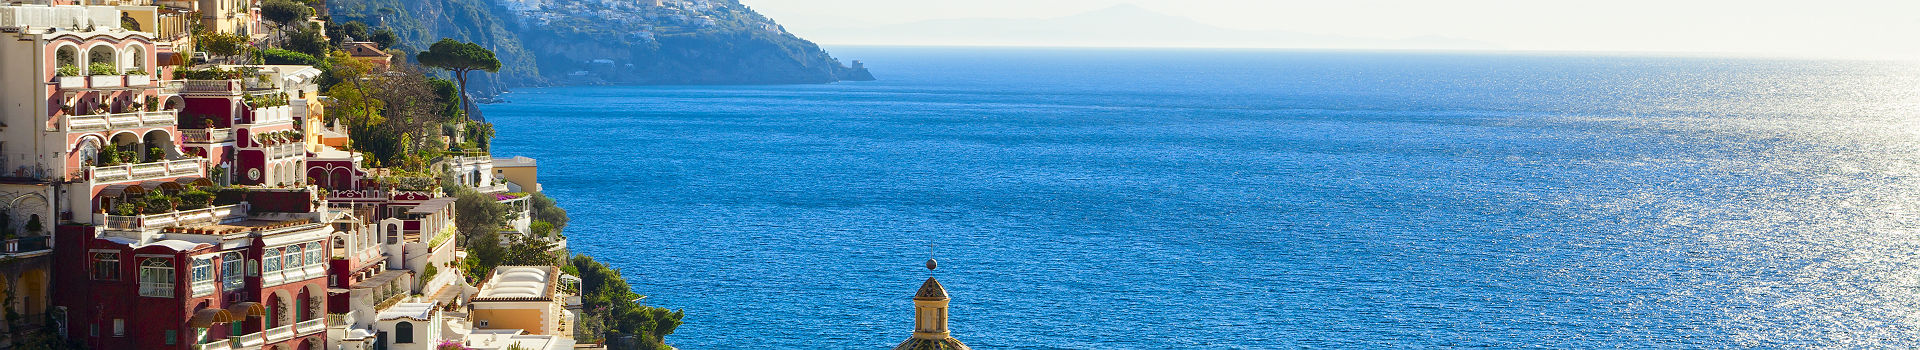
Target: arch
[(67, 55), (279, 310), (316, 306), (393, 234), (341, 178), (102, 53), (157, 139), (134, 57), (403, 332), (126, 142), (88, 150)]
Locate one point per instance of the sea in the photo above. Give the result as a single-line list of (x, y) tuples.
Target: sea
[(1256, 199)]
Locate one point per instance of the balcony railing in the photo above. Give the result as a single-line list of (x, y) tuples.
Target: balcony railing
[(249, 341), (102, 122), (205, 216), (202, 86), (223, 344), (27, 245), (280, 333), (207, 135), (310, 326), (161, 290), (145, 171)]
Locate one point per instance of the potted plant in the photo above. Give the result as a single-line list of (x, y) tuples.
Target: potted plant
[(70, 77), (104, 75), (153, 103), (138, 77)]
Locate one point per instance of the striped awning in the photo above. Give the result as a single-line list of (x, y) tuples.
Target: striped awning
[(245, 309), (194, 182), (117, 190), (206, 318)]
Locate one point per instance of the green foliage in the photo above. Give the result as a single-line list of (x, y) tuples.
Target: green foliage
[(222, 44), (68, 70), (545, 209), (461, 58), (607, 300), (101, 69), (541, 229), (341, 31), (308, 39), (432, 270), (282, 56), (195, 199), (479, 213), (385, 38), (530, 251), (126, 209), (135, 71), (155, 154), (284, 12), (160, 203)]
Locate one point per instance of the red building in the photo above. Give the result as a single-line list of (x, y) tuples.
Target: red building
[(252, 275)]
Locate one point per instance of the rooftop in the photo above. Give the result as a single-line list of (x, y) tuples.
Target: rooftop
[(415, 311), (515, 162), (515, 283)]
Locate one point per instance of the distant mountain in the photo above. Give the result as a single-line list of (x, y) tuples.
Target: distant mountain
[(1118, 26), (717, 42)]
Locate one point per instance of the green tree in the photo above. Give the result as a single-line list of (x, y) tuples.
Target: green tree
[(225, 45), (284, 13), (460, 58), (530, 251), (546, 209), (385, 38), (307, 39)]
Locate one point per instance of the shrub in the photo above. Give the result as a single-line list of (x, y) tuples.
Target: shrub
[(156, 154), (126, 209), (101, 69), (196, 199), (136, 71), (280, 56), (160, 203), (68, 70)]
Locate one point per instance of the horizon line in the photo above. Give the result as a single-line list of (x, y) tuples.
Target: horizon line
[(1530, 52)]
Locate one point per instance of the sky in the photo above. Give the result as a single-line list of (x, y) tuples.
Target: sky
[(1874, 29)]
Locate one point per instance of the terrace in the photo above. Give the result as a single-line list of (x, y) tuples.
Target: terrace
[(117, 121)]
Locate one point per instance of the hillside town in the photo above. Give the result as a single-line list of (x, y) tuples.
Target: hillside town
[(247, 175)]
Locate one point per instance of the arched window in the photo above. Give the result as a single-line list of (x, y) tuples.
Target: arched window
[(156, 277), (272, 260), (231, 277), (102, 55), (314, 254), (67, 56), (403, 332), (393, 234)]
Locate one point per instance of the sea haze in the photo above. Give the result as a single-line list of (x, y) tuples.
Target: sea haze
[(1257, 199)]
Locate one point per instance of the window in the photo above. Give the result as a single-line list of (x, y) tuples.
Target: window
[(231, 277), (253, 267), (296, 257), (119, 327), (156, 278), (106, 266), (315, 255), (483, 323), (170, 335), (202, 270), (272, 260), (403, 332)]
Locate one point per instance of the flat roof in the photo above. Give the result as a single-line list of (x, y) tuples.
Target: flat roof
[(432, 205), (516, 161)]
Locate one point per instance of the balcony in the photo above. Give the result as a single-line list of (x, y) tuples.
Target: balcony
[(103, 122), (157, 290), (205, 216), (145, 171), (249, 341), (73, 83), (280, 333), (312, 326), (207, 135), (24, 245), (211, 86)]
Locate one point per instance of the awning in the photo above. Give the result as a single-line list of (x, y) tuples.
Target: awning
[(248, 309), (160, 185), (194, 182), (206, 318), (117, 190)]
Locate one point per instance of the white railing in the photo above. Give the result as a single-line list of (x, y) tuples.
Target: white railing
[(249, 341), (206, 135), (102, 122), (280, 333), (202, 288), (310, 326), (204, 216), (223, 344), (106, 81), (145, 171), (190, 86), (159, 290)]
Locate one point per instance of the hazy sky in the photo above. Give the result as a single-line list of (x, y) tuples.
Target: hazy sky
[(1819, 28)]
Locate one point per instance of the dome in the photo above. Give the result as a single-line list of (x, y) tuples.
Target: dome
[(931, 290)]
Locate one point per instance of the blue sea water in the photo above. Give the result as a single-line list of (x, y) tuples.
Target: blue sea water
[(1142, 199)]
